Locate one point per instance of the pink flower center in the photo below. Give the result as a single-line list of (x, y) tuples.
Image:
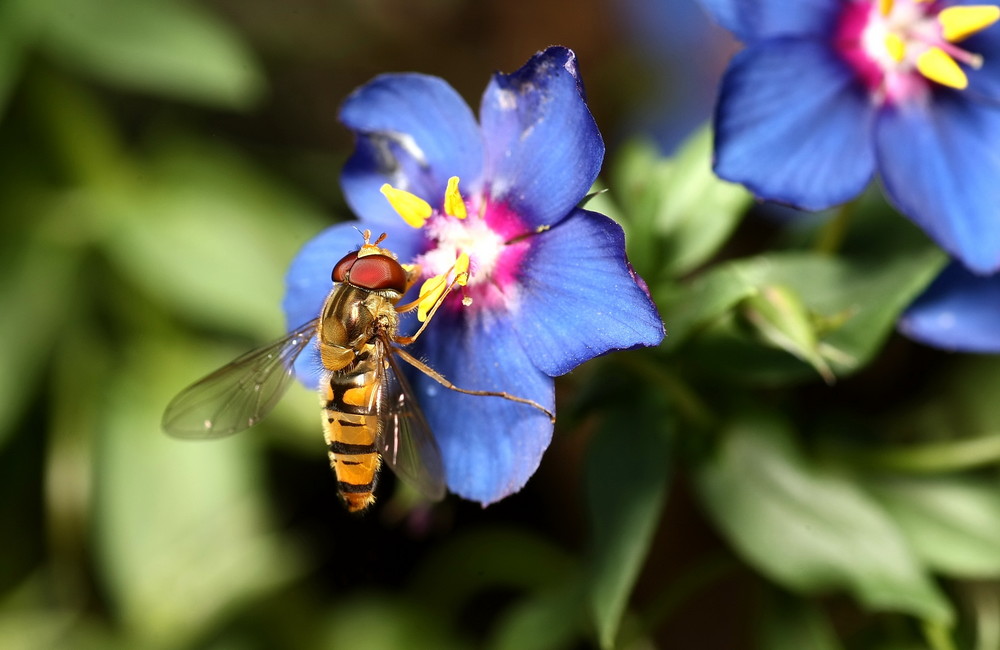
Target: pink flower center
[(901, 48), (491, 237), (477, 247)]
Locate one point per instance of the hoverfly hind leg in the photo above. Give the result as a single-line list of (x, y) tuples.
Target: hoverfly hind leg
[(439, 378)]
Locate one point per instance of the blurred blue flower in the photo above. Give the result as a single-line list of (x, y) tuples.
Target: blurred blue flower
[(678, 89), (827, 92), (959, 311), (550, 286)]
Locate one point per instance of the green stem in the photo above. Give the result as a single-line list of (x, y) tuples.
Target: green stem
[(686, 402), (939, 457), (699, 576), (834, 231), (986, 605), (938, 636)]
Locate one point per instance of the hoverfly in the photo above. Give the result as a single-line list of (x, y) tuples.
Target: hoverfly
[(370, 412)]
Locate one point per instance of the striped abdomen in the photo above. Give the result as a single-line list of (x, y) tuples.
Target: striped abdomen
[(351, 426)]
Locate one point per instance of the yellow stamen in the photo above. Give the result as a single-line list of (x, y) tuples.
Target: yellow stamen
[(411, 207), (896, 46), (958, 23), (453, 203), (430, 292), (937, 65), (884, 7), (462, 270), (433, 288)]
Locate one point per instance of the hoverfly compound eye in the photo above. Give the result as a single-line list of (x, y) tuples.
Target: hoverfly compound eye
[(376, 273), (341, 268)]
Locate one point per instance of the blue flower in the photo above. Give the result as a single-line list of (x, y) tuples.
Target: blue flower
[(549, 284), (829, 92), (959, 311)]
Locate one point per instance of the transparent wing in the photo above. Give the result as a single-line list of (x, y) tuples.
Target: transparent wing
[(405, 439), (236, 396)]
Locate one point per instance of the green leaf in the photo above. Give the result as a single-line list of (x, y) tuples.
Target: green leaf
[(706, 300), (961, 407), (679, 201), (384, 622), (489, 558), (699, 211), (780, 318), (952, 522), (625, 495), (548, 618), (863, 295), (182, 534), (953, 427), (808, 529), (169, 47), (17, 31), (211, 237), (37, 289)]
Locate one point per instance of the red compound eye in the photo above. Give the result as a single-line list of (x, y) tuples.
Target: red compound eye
[(341, 268), (374, 272)]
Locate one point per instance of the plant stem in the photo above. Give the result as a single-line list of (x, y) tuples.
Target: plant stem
[(939, 457), (688, 404), (834, 231)]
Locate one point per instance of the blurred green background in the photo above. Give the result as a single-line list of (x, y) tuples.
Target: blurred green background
[(161, 161)]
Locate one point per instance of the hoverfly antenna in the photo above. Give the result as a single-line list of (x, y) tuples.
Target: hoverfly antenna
[(370, 247)]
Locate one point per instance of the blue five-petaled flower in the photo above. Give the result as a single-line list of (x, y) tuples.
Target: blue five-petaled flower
[(549, 286), (829, 92)]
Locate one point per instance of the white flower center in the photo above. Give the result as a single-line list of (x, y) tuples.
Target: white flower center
[(471, 236)]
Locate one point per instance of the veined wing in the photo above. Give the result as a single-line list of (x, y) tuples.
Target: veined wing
[(405, 440), (238, 395)]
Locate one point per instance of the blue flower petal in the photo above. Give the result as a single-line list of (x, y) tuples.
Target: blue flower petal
[(308, 281), (753, 20), (984, 82), (940, 165), (543, 149), (490, 446), (579, 298), (414, 132), (793, 125), (959, 311)]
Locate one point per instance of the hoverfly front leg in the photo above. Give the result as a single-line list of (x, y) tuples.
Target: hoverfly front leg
[(459, 279)]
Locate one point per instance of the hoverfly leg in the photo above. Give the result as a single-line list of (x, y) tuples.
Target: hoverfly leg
[(410, 306), (439, 378)]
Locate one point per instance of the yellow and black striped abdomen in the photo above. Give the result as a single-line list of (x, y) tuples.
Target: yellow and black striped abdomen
[(351, 426)]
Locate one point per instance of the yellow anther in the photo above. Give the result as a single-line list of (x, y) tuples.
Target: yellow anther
[(411, 207), (896, 46), (453, 203), (430, 292), (958, 23), (937, 65), (433, 288), (462, 269), (884, 7)]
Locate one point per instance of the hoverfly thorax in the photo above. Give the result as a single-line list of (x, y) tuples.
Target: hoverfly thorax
[(348, 321), (361, 306)]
